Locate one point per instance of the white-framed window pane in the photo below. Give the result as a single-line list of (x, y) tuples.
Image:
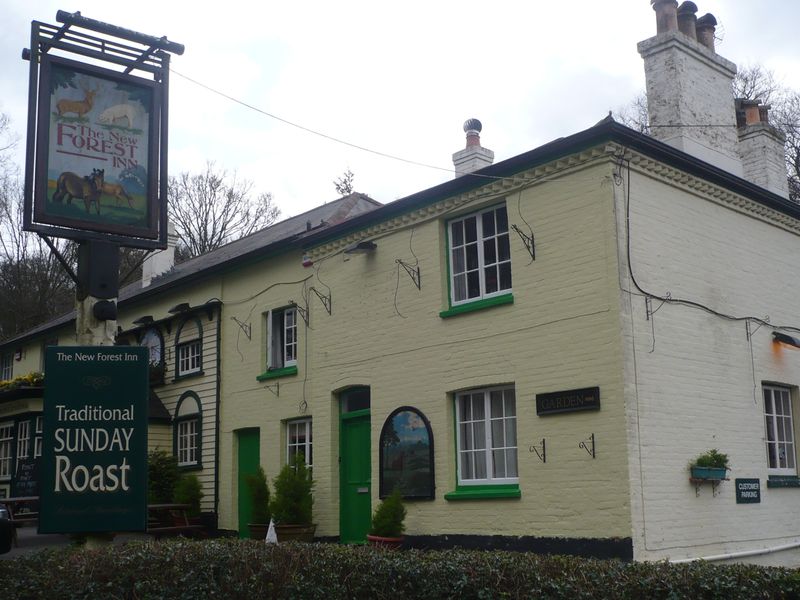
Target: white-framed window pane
[(282, 335), (6, 441), (187, 442), (289, 336), (487, 438), (23, 440), (6, 366), (190, 357), (299, 441), (779, 427)]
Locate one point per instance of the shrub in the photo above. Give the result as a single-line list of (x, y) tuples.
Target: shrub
[(241, 569), (259, 496), (162, 477), (387, 521), (711, 459), (188, 491), (292, 501)]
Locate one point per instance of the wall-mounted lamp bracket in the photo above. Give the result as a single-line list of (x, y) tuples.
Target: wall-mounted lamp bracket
[(327, 301), (303, 312), (275, 388), (413, 272), (245, 327), (588, 445), (530, 244), (540, 451), (751, 332)]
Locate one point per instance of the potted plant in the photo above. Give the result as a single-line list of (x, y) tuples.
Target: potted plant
[(259, 498), (709, 465), (387, 522), (291, 504)]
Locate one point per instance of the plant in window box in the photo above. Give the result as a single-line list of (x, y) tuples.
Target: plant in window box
[(387, 522), (292, 502), (259, 499), (709, 465)]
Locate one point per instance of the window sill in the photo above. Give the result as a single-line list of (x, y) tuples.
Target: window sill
[(188, 375), (461, 309), (484, 492), (273, 373), (783, 481), (191, 467)]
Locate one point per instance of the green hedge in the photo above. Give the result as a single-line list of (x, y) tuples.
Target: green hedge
[(229, 568)]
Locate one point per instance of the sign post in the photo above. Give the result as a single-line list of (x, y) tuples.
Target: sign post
[(94, 459)]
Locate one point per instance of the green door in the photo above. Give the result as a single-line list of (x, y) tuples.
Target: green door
[(355, 473), (247, 462)]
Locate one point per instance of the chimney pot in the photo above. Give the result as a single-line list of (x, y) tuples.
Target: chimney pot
[(687, 19), (706, 26), (666, 15), (473, 156)]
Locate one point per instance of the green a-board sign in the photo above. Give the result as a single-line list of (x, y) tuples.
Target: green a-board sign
[(94, 450)]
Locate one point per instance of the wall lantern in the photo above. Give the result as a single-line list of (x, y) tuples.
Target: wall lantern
[(785, 339)]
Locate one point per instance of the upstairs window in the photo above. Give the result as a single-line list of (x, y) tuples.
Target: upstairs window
[(282, 350), (189, 348), (152, 340), (479, 255), (781, 457), (6, 367)]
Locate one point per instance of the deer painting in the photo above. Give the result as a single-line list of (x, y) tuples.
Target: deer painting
[(118, 192), (78, 107), (86, 188)]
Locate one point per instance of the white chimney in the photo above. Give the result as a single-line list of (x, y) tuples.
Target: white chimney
[(474, 156), (689, 86), (160, 261), (761, 147)]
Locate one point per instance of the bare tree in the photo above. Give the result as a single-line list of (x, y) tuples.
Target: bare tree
[(34, 287), (753, 82), (212, 208), (344, 185)]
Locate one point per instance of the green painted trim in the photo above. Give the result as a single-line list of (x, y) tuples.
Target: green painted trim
[(273, 373), (448, 254), (477, 305), (484, 492), (188, 376), (364, 412), (783, 481)]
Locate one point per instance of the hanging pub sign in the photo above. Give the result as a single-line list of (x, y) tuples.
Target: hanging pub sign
[(94, 456), (98, 147), (96, 157), (568, 401)]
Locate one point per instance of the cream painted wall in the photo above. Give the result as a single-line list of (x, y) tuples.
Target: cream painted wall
[(693, 381)]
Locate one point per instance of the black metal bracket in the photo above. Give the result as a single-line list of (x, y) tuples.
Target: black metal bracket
[(413, 272), (303, 312), (760, 325), (540, 451), (327, 301), (588, 445), (60, 258), (648, 304), (275, 389), (245, 327), (528, 240), (700, 481)]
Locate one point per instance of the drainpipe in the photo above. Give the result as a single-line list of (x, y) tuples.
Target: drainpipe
[(742, 554)]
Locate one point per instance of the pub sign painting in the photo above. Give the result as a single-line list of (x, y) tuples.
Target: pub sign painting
[(406, 454), (94, 458), (97, 150)]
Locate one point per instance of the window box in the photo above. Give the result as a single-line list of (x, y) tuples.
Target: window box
[(708, 473), (273, 373)]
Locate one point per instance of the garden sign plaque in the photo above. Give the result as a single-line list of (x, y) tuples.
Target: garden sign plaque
[(94, 459)]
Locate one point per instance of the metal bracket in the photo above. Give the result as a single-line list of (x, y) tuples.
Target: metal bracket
[(528, 240), (275, 389), (303, 312), (585, 445), (648, 304), (540, 450), (246, 327), (327, 301), (413, 272), (760, 325)]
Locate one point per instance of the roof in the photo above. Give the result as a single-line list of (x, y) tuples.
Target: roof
[(605, 131), (271, 240)]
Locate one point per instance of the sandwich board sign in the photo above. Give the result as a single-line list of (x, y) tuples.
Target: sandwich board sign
[(94, 456)]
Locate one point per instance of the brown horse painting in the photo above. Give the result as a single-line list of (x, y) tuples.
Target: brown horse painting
[(87, 188), (118, 192)]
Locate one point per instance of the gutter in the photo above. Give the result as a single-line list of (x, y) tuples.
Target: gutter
[(741, 554)]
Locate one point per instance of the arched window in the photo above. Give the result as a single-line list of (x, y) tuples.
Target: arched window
[(406, 454), (187, 431), (152, 340), (189, 348)]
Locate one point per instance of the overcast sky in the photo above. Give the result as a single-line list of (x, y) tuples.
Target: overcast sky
[(399, 78)]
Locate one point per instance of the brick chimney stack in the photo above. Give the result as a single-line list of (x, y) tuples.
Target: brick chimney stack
[(761, 147), (473, 156)]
